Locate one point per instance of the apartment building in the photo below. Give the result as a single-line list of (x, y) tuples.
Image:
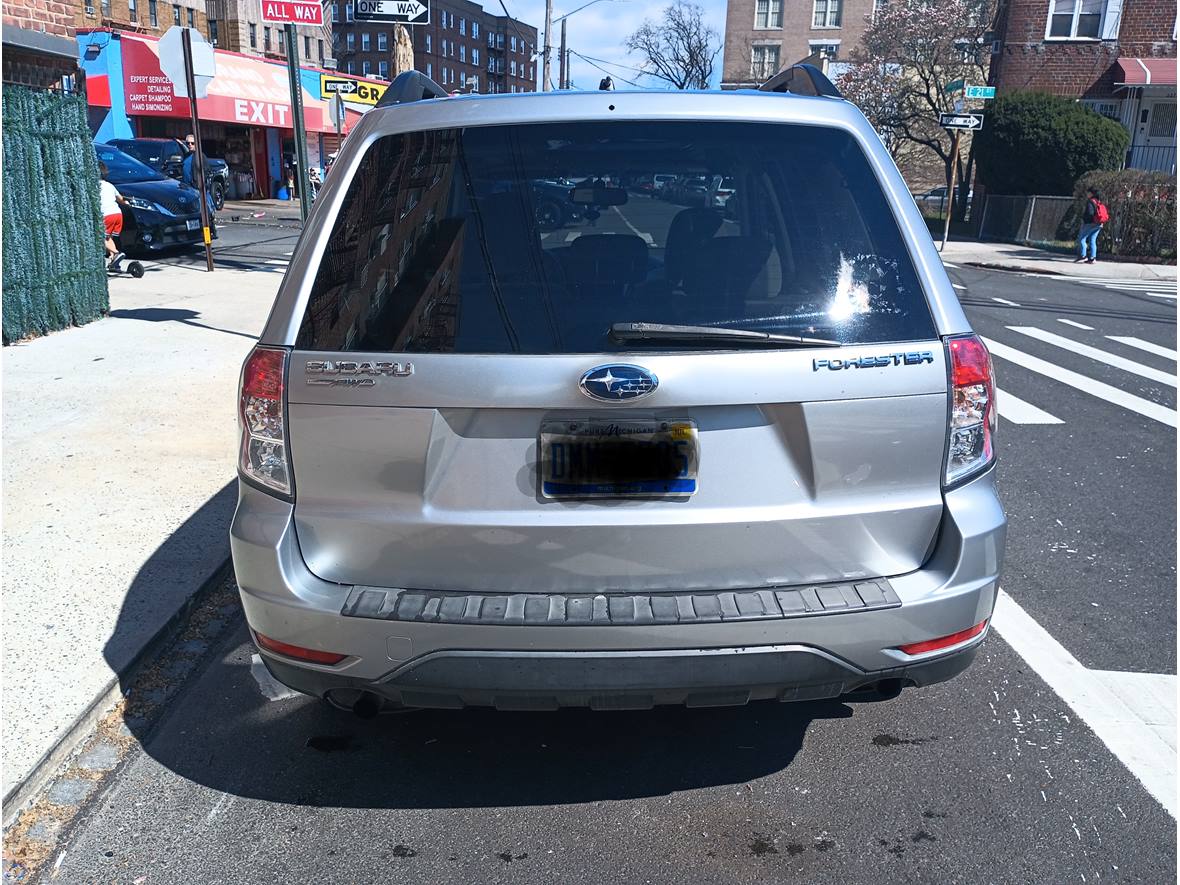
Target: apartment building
[(237, 25), (152, 17), (1117, 56), (463, 48), (763, 36)]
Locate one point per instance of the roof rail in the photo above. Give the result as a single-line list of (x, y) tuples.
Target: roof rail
[(410, 86), (801, 79)]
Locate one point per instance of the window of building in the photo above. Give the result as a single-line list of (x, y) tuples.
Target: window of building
[(463, 53), (348, 12), (1100, 106), (512, 43), (445, 73), (475, 83), (475, 55), (253, 30), (335, 11), (463, 26), (365, 42), (266, 39), (428, 43), (351, 67), (175, 15), (131, 10), (152, 14), (763, 61), (365, 68), (383, 70), (282, 35), (475, 29), (349, 41), (829, 50), (213, 31), (512, 67), (827, 14), (190, 15), (320, 50), (430, 70), (444, 48), (768, 14), (451, 16), (1075, 19), (306, 46), (382, 42)]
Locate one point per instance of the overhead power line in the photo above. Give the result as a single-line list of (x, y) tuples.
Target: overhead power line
[(604, 70)]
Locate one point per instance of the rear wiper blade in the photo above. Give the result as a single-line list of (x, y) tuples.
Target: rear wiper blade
[(665, 332)]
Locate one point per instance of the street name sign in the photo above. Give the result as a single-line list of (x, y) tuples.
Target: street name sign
[(293, 12), (970, 122), (355, 91), (407, 12), (172, 61), (953, 86), (981, 92)]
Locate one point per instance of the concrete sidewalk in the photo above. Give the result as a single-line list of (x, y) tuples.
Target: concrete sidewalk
[(1006, 256), (119, 464)]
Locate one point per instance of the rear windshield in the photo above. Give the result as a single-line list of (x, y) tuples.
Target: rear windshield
[(536, 238)]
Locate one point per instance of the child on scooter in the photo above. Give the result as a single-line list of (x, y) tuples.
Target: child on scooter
[(112, 216)]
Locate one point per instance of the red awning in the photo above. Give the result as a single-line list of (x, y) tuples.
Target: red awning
[(1146, 72)]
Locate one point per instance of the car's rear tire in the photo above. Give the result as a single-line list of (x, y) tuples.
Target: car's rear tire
[(549, 216)]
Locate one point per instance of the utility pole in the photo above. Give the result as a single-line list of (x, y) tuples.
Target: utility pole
[(547, 48), (199, 154), (297, 122), (562, 60)]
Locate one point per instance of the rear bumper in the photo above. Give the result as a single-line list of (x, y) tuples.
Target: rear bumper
[(786, 643)]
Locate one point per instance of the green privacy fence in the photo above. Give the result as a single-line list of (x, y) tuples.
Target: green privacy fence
[(53, 256)]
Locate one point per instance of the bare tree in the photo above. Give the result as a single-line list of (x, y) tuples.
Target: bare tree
[(680, 49), (899, 73)]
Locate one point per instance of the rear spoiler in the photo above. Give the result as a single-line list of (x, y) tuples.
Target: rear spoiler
[(410, 86), (801, 79)]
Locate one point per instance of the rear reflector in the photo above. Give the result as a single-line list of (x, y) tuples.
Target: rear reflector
[(917, 648), (298, 651)]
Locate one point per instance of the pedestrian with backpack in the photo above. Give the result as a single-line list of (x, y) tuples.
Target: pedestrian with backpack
[(1093, 217)]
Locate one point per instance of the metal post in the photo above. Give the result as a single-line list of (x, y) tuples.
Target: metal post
[(950, 191), (1031, 209), (199, 157), (561, 59), (547, 48), (297, 122)]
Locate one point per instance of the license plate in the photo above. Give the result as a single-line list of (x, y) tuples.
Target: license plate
[(192, 223), (608, 458)]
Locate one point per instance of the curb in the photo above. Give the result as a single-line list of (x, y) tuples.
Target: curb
[(1018, 269), (23, 793)]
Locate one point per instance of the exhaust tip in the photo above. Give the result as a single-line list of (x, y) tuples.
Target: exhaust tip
[(367, 706)]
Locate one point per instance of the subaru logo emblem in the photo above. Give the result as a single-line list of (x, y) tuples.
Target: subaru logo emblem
[(617, 382)]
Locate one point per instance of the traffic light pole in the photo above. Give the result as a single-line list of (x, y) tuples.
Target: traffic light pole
[(297, 123)]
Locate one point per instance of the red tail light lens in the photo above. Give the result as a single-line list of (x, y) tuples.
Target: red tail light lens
[(917, 648), (972, 424), (297, 651), (262, 415)]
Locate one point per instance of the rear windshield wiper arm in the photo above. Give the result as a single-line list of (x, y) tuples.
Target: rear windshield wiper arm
[(665, 332)]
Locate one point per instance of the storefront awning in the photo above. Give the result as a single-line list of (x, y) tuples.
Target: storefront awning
[(1145, 72)]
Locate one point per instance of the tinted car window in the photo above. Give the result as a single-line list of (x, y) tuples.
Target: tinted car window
[(122, 169), (438, 245)]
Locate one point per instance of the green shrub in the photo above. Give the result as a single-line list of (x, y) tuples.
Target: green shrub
[(1035, 143), (1142, 212)]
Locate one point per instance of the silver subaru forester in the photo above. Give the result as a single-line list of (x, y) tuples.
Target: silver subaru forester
[(526, 430)]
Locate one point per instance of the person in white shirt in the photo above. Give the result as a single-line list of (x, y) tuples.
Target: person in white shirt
[(112, 215)]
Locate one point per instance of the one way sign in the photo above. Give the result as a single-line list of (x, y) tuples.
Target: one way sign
[(970, 122), (408, 12)]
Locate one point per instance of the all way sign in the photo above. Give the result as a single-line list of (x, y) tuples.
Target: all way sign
[(295, 12), (408, 12), (970, 122)]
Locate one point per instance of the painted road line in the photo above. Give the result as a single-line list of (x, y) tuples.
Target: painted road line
[(1152, 293), (572, 235), (1075, 325), (1144, 345), (948, 264), (1005, 301), (957, 286), (647, 238), (1018, 411), (1151, 695), (1112, 395), (280, 261), (1128, 731), (1098, 355)]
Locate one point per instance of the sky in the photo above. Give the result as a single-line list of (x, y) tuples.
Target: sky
[(599, 31)]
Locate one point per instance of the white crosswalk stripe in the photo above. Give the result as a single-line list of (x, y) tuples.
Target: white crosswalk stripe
[(1155, 288), (1097, 354), (1144, 345), (1018, 411), (1076, 325), (1081, 382)]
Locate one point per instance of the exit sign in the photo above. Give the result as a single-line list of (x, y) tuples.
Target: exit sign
[(294, 12)]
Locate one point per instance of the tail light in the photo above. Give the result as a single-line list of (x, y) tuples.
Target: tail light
[(971, 426), (262, 417)]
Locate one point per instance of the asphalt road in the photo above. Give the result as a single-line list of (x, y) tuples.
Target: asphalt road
[(989, 778)]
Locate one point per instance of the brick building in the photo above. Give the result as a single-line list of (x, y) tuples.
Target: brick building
[(237, 25), (463, 48), (142, 16), (39, 48), (1117, 56), (762, 36)]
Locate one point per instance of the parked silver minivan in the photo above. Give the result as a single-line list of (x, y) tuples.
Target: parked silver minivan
[(658, 456)]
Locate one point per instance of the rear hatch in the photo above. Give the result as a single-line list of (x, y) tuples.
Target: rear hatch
[(476, 404)]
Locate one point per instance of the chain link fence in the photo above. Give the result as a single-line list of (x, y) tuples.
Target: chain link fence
[(1036, 220), (54, 273)]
